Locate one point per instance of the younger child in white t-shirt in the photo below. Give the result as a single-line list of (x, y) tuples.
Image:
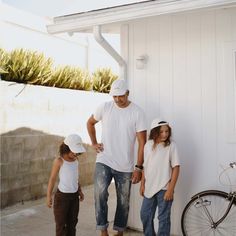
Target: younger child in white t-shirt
[(69, 193), (161, 170)]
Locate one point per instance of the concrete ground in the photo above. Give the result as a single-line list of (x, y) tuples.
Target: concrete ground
[(34, 218)]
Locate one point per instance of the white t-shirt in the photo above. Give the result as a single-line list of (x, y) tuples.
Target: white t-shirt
[(119, 128), (68, 176), (158, 164)]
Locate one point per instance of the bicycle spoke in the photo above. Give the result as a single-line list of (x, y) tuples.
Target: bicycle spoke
[(201, 211)]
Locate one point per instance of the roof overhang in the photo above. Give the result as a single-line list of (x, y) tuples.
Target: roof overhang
[(114, 16)]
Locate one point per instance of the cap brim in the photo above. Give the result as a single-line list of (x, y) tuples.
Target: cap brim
[(118, 92), (162, 124), (79, 148)]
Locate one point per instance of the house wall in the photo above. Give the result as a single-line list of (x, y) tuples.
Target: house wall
[(185, 81)]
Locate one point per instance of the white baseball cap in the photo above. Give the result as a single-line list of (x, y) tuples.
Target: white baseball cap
[(158, 122), (118, 88), (74, 142)]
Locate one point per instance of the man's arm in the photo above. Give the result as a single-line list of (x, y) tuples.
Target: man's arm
[(137, 174), (141, 137), (92, 134)]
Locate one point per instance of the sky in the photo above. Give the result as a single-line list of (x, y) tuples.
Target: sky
[(52, 8)]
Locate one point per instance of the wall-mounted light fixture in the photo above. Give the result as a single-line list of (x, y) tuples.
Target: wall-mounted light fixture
[(141, 62)]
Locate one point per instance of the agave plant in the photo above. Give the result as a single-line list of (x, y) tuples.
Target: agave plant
[(25, 66), (4, 59), (70, 77), (102, 80)]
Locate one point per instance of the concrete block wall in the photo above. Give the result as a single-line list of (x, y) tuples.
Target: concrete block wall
[(32, 127), (26, 160)]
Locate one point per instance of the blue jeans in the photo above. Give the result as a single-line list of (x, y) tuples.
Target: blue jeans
[(147, 214), (102, 180)]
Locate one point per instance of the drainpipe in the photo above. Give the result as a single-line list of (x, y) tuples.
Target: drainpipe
[(102, 41)]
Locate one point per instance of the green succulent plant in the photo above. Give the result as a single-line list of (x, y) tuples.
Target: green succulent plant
[(25, 66), (102, 80), (69, 77), (4, 59), (31, 67)]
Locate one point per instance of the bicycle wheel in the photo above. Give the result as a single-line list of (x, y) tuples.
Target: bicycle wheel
[(196, 221)]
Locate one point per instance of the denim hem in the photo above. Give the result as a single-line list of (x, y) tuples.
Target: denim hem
[(102, 227), (119, 228)]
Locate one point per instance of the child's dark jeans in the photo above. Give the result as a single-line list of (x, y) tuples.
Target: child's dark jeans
[(66, 209)]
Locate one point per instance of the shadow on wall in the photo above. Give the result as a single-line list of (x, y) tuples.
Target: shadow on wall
[(26, 161)]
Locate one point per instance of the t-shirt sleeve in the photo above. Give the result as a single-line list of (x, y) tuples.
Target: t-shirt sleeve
[(174, 160), (141, 123), (99, 112)]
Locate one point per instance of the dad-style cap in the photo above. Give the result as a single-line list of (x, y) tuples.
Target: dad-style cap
[(118, 88), (158, 122), (74, 142)]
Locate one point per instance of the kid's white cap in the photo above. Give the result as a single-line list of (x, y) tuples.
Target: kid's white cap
[(158, 122), (74, 142)]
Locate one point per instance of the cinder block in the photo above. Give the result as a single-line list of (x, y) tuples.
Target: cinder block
[(36, 165), (13, 169), (24, 166), (4, 170), (4, 185), (29, 155), (36, 190), (16, 182), (18, 195), (4, 199)]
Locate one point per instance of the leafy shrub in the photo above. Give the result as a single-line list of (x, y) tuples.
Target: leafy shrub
[(69, 77), (31, 67), (4, 59), (102, 80), (25, 66)]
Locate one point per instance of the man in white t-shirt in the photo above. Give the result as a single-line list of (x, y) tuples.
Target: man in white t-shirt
[(122, 122)]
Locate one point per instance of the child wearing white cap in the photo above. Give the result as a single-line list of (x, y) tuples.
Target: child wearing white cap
[(160, 174), (69, 193)]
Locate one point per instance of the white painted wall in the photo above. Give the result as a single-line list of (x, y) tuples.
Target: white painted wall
[(189, 80), (53, 111)]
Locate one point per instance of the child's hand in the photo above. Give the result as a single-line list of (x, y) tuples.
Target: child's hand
[(49, 201), (81, 196), (169, 195)]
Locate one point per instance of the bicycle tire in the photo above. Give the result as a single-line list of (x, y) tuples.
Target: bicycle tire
[(194, 220)]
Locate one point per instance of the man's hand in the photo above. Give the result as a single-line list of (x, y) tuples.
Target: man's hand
[(136, 176), (98, 147)]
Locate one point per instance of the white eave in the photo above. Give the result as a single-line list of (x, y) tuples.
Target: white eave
[(84, 22)]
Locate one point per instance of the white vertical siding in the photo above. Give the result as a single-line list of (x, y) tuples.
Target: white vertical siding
[(184, 82)]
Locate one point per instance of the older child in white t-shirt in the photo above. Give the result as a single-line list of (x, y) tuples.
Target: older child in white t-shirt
[(161, 170)]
